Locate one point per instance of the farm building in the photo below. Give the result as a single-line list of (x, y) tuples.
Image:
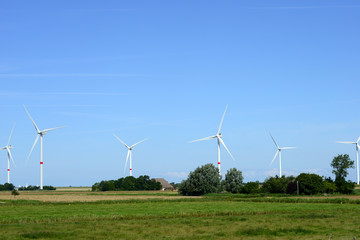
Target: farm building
[(165, 185)]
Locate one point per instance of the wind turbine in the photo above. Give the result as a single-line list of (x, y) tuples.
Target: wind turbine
[(357, 156), (218, 136), (40, 133), (129, 152), (8, 147), (279, 152)]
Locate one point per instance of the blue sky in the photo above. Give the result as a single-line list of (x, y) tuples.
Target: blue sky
[(166, 70)]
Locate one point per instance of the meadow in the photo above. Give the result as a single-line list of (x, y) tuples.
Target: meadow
[(165, 215)]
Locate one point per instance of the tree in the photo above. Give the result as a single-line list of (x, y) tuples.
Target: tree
[(310, 183), (233, 180), (203, 180), (15, 193), (340, 165), (7, 187), (250, 187), (129, 183), (277, 184)]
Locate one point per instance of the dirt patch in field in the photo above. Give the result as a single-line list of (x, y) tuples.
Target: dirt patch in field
[(79, 197)]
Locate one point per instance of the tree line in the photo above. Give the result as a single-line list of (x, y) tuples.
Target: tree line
[(129, 183), (33, 188), (205, 179), (7, 187)]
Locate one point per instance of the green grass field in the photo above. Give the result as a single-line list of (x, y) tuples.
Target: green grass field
[(212, 217)]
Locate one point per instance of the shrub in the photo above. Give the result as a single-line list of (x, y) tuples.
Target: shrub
[(329, 187), (310, 183), (15, 193), (250, 187), (203, 180), (345, 187), (233, 180), (276, 184)]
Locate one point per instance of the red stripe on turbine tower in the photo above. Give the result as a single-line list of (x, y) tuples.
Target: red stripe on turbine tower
[(8, 170), (130, 169), (218, 162), (41, 162)]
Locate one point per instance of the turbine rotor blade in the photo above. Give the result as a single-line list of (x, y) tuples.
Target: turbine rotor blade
[(139, 142), (287, 148), (222, 119), (121, 141), (51, 129), (202, 139), (274, 141), (10, 135), (37, 129), (127, 157), (346, 142), (32, 148), (222, 142), (274, 156), (11, 156)]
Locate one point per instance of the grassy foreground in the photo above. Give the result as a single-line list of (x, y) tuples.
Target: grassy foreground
[(211, 217)]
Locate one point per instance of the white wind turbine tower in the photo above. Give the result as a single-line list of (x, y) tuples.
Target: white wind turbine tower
[(218, 136), (279, 152), (129, 152), (8, 147), (357, 156), (40, 133)]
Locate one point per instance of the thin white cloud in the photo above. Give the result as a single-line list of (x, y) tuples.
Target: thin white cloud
[(177, 174), (19, 94), (2, 75), (102, 10), (79, 93), (306, 7)]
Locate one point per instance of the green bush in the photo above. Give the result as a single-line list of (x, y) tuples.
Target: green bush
[(329, 187), (250, 188), (345, 187), (310, 183), (277, 184), (203, 180), (233, 180)]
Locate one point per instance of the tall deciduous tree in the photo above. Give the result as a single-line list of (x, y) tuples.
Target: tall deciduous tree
[(340, 165), (203, 180), (233, 180)]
